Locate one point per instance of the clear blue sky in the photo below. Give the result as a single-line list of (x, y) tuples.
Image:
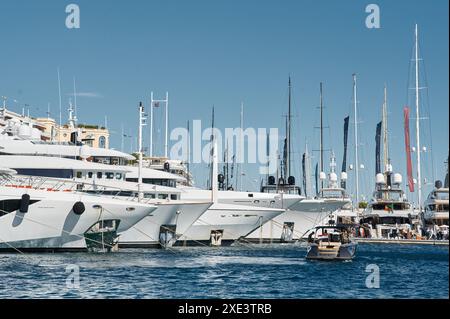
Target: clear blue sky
[(224, 52)]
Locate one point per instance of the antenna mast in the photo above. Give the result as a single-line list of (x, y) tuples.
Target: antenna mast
[(166, 139), (141, 124)]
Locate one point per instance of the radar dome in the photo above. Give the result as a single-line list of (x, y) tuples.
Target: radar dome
[(333, 177), (397, 178), (380, 179)]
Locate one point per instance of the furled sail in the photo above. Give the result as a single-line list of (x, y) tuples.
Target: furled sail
[(344, 160), (304, 173), (408, 150), (377, 149), (317, 179), (446, 175)]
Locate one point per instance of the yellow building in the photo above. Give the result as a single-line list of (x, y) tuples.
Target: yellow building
[(50, 131), (91, 135)]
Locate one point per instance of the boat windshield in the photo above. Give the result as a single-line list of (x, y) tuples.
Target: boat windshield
[(441, 195), (388, 206), (389, 194), (332, 193), (277, 189)]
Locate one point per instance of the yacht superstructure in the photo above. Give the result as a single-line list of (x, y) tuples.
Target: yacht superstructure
[(436, 212), (389, 214)]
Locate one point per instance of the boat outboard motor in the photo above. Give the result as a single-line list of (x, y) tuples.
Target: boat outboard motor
[(438, 184), (24, 203), (78, 208)]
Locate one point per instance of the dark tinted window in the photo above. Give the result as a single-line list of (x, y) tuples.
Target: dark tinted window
[(47, 172), (109, 175)]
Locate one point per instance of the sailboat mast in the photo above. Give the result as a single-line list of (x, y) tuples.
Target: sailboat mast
[(188, 169), (151, 125), (419, 176), (385, 131), (356, 139), (321, 133), (212, 139), (238, 151), (166, 139), (288, 153)]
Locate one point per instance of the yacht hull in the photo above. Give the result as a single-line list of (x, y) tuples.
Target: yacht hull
[(331, 252), (167, 216), (230, 222), (50, 224), (297, 222)]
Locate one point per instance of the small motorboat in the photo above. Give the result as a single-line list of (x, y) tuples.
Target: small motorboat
[(331, 243)]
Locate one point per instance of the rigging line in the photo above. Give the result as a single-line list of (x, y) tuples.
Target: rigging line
[(293, 231), (144, 233), (166, 228), (428, 108), (189, 238), (14, 248), (170, 249), (234, 234)]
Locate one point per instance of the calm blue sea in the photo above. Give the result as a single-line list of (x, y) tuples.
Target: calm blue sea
[(229, 272)]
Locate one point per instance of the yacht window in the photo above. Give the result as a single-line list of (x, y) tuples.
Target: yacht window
[(250, 195), (173, 196), (162, 196), (109, 175), (102, 142), (118, 175), (99, 175), (79, 174), (90, 174), (441, 195), (149, 195), (46, 172)]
